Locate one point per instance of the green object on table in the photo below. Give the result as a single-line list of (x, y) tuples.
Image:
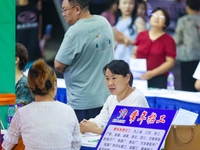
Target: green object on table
[(4, 118), (95, 141)]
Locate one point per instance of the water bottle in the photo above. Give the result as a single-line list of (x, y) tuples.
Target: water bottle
[(170, 81), (10, 113), (19, 106), (48, 29)]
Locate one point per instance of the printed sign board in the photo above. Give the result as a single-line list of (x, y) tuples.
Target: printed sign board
[(136, 128)]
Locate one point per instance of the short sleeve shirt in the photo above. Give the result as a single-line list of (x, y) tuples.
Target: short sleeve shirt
[(22, 92), (187, 38), (156, 51), (27, 26), (87, 47)]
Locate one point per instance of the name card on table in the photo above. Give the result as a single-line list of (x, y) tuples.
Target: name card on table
[(135, 128)]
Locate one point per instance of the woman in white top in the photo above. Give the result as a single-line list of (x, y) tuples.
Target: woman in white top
[(45, 124), (119, 82), (130, 25)]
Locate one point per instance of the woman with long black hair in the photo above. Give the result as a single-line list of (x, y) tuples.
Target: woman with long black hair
[(128, 23)]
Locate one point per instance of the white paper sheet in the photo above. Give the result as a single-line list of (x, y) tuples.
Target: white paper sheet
[(140, 84), (185, 117), (90, 139), (196, 74), (138, 67)]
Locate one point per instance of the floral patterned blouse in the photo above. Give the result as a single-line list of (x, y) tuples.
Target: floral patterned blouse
[(187, 38), (23, 93)]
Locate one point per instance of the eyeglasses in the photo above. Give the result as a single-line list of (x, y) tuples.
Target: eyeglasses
[(64, 10), (158, 16)]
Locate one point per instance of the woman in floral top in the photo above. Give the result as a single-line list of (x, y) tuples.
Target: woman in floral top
[(22, 91), (187, 39)]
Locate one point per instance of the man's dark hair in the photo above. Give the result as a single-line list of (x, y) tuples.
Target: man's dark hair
[(193, 4), (81, 3), (167, 16)]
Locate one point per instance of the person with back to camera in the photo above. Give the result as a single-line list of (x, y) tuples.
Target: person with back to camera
[(110, 11), (130, 25), (28, 29), (46, 123), (87, 47), (158, 48), (22, 91), (119, 82), (187, 39)]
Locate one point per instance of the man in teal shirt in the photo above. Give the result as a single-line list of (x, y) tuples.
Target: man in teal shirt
[(87, 47)]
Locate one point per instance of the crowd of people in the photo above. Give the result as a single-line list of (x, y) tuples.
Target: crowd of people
[(96, 69)]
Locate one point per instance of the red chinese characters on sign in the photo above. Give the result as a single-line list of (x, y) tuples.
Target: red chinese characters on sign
[(142, 117), (122, 129), (152, 118), (149, 119), (133, 116), (161, 119)]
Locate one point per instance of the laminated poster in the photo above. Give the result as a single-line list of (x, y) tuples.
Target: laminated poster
[(136, 128)]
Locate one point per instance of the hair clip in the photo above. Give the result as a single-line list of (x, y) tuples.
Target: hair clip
[(48, 84)]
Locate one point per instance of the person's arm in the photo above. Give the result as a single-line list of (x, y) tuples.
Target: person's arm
[(67, 51), (197, 85), (96, 125), (13, 132), (134, 55), (164, 67), (59, 66), (178, 35), (89, 126), (140, 25)]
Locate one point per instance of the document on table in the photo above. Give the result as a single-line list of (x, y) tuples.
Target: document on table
[(90, 139), (138, 67), (196, 74), (183, 115)]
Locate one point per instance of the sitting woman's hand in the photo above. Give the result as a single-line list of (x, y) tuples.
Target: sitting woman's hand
[(84, 126), (89, 126)]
